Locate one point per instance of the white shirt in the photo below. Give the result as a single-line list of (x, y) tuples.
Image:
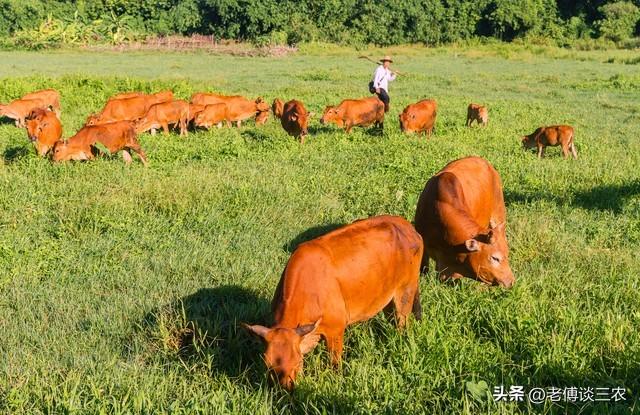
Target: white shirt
[(381, 78)]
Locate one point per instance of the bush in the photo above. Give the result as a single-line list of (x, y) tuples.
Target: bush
[(619, 20)]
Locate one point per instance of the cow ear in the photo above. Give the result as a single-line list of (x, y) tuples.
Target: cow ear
[(256, 329), (294, 118), (472, 245), (307, 328)]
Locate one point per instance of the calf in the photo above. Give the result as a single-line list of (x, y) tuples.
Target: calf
[(462, 218), (554, 135), (164, 114), (211, 115), (116, 136), (19, 109), (277, 107), (344, 277), (293, 117), (43, 129), (51, 97), (355, 112), (477, 113), (419, 117)]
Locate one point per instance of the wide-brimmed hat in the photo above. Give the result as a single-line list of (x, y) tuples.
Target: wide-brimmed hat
[(386, 58)]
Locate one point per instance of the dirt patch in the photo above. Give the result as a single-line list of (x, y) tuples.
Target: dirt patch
[(208, 44)]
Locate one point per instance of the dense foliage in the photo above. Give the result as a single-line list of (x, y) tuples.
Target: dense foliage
[(382, 22)]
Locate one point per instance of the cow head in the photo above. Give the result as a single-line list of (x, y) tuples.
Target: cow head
[(261, 105), (302, 120), (162, 96), (486, 257), (528, 141), (35, 124), (284, 350), (63, 151), (92, 119), (262, 117), (407, 122), (277, 107), (144, 124), (331, 114)]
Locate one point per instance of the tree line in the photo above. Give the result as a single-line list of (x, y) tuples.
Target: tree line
[(380, 22)]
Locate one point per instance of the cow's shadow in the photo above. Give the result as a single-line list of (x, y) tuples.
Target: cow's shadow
[(309, 234), (205, 325), (13, 154)]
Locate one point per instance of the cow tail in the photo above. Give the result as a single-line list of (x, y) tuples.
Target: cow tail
[(416, 309)]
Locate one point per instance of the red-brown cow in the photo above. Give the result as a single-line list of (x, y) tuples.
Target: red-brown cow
[(195, 109), (462, 218), (128, 109), (355, 112), (211, 115), (49, 96), (477, 113), (19, 109), (419, 117), (341, 278), (294, 118), (554, 135), (239, 108), (277, 107), (163, 115), (115, 136), (43, 129)]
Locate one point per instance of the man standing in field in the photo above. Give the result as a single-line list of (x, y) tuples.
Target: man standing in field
[(380, 83)]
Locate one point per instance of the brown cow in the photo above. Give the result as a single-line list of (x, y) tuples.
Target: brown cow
[(49, 96), (213, 114), (294, 117), (44, 129), (164, 114), (128, 109), (344, 277), (115, 136), (355, 112), (419, 117), (19, 109), (462, 218), (477, 113), (554, 135), (239, 108), (195, 109), (277, 107)]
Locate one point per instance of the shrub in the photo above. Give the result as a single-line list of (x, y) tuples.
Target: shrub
[(619, 20)]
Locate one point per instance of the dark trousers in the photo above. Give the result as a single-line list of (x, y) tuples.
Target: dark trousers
[(384, 97)]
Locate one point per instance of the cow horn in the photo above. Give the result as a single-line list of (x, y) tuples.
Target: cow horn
[(307, 328)]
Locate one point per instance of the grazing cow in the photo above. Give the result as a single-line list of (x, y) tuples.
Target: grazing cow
[(164, 114), (50, 96), (293, 117), (44, 129), (419, 117), (477, 113), (462, 218), (195, 109), (19, 109), (344, 277), (239, 108), (128, 109), (115, 136), (213, 114), (554, 135), (355, 112)]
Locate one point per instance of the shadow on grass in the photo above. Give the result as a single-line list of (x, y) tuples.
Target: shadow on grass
[(310, 234), (206, 325), (14, 154), (605, 198)]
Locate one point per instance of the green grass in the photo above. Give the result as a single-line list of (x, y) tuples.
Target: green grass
[(121, 287)]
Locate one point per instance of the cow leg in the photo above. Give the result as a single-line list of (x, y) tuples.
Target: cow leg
[(347, 127), (334, 342), (565, 151), (126, 157), (239, 123), (540, 151), (165, 128), (138, 150), (403, 302), (301, 139), (574, 151), (153, 131)]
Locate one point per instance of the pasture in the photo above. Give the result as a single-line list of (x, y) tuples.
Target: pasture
[(121, 288)]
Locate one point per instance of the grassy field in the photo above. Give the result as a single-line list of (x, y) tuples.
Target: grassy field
[(121, 288)]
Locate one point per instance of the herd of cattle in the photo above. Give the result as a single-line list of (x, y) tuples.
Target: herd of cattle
[(347, 275), (124, 116)]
